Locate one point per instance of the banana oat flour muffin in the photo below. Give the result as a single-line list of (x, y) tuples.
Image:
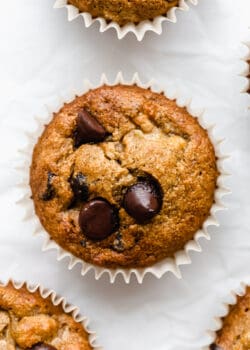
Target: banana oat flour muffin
[(123, 177), (235, 332), (125, 11), (27, 321)]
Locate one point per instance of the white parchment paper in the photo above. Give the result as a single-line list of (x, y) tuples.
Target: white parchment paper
[(42, 55)]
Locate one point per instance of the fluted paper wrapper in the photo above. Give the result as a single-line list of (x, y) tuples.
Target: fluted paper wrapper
[(226, 304), (246, 71), (56, 300), (138, 30), (160, 268), (248, 67)]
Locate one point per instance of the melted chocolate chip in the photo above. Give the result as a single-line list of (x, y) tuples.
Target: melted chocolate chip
[(79, 187), (98, 219), (143, 200), (88, 129), (50, 191), (42, 346), (215, 347)]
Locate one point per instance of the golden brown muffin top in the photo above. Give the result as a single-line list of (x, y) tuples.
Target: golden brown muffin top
[(28, 321), (150, 152), (235, 332), (125, 11)]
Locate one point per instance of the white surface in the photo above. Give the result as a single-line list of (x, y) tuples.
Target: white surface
[(42, 55)]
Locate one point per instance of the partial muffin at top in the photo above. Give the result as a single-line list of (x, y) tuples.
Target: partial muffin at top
[(235, 332), (125, 11), (122, 176), (30, 322)]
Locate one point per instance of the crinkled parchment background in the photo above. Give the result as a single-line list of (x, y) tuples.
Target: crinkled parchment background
[(42, 55)]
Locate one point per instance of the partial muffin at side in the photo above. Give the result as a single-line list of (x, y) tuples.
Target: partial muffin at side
[(235, 332), (122, 176), (30, 322), (125, 11)]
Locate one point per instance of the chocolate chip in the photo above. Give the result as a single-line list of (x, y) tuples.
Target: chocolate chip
[(88, 129), (50, 191), (98, 219), (83, 243), (42, 346), (79, 187), (215, 347), (118, 243), (143, 200)]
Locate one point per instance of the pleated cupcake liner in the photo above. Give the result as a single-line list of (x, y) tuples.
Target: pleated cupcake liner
[(226, 304), (181, 257), (139, 30), (58, 300), (246, 69)]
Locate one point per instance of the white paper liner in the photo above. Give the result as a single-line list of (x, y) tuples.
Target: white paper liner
[(56, 300), (138, 30), (246, 70), (230, 300), (160, 268)]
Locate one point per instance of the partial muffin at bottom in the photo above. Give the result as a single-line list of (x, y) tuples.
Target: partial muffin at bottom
[(235, 332), (30, 322), (122, 176)]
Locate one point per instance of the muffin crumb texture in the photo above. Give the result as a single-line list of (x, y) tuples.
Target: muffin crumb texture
[(27, 321), (125, 11), (235, 333), (122, 176)]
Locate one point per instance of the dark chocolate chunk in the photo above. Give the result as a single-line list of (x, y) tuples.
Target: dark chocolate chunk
[(79, 187), (143, 200), (50, 191), (215, 347), (88, 129), (42, 346), (98, 219)]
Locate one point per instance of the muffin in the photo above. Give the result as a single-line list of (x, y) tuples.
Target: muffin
[(123, 177), (125, 11), (30, 322), (235, 332)]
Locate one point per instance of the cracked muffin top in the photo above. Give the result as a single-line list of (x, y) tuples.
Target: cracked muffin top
[(125, 11), (235, 332), (123, 177), (27, 321)]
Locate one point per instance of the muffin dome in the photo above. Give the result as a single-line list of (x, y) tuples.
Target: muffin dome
[(30, 322), (122, 176)]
